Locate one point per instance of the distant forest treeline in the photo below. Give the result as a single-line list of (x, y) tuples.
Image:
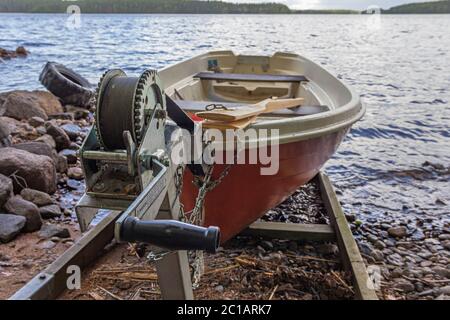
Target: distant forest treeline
[(140, 6), (194, 6), (422, 7)]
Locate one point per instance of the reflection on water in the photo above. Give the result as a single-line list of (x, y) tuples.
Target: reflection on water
[(400, 68)]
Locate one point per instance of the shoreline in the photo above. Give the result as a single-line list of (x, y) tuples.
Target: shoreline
[(231, 14), (413, 264)]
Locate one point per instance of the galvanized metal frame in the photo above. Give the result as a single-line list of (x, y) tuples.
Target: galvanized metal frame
[(173, 272), (338, 230)]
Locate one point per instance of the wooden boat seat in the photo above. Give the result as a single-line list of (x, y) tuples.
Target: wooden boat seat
[(197, 106), (250, 77), (253, 90)]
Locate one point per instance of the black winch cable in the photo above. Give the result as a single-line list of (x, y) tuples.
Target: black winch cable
[(185, 122)]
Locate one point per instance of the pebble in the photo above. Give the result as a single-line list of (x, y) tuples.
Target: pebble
[(425, 254), (10, 226), (365, 248), (391, 242), (405, 244), (443, 237), (219, 288), (405, 285), (379, 245), (41, 130), (426, 263), (377, 255), (71, 156), (50, 212), (419, 286), (385, 226), (395, 259), (74, 184), (372, 238), (72, 130), (426, 293), (36, 121), (75, 173), (47, 245), (397, 232), (442, 272), (49, 231), (418, 235), (432, 241), (445, 290)]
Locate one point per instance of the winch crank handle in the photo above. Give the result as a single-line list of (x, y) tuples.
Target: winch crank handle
[(170, 234)]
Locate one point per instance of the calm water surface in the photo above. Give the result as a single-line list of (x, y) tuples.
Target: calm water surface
[(400, 65)]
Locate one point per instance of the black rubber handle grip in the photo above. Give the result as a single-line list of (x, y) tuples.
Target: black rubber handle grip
[(171, 234)]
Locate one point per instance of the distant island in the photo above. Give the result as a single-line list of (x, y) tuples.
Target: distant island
[(421, 7), (196, 7)]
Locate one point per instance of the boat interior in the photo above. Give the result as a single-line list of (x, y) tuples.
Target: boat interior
[(231, 81)]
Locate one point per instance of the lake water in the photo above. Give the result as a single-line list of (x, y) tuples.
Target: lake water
[(399, 64)]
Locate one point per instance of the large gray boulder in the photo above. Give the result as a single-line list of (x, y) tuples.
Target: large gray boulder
[(50, 212), (18, 206), (39, 148), (48, 139), (32, 171), (23, 105), (59, 135), (39, 198), (48, 102), (6, 189), (11, 125), (10, 226), (5, 133)]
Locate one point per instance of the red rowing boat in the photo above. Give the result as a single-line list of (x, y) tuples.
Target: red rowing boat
[(308, 135)]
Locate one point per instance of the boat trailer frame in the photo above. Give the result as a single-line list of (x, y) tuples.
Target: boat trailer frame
[(51, 283)]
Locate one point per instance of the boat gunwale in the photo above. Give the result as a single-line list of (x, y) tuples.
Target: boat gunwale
[(295, 128)]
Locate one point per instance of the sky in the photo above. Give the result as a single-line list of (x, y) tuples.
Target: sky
[(335, 4)]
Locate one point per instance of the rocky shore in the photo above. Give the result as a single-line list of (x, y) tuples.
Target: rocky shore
[(41, 181), (413, 255), (39, 139)]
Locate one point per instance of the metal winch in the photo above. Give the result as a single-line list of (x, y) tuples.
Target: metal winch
[(127, 167)]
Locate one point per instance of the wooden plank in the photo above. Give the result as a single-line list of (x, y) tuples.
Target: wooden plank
[(304, 110), (52, 282), (250, 77), (235, 114), (347, 245), (235, 125), (291, 231)]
